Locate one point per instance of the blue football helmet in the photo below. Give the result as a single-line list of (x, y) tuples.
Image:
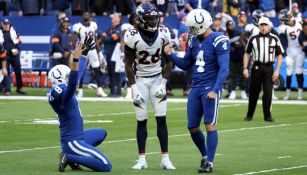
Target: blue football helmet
[(284, 16), (257, 14), (148, 16)]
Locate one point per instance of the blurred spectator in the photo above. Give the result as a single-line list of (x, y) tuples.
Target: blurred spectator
[(182, 28), (231, 7), (281, 4), (31, 7), (100, 7), (11, 43), (60, 5), (215, 7), (110, 38), (78, 7), (194, 4), (162, 6), (268, 8), (242, 21), (59, 16), (253, 5), (3, 7), (302, 39), (3, 70), (236, 62), (61, 41), (123, 7), (216, 26), (296, 12)]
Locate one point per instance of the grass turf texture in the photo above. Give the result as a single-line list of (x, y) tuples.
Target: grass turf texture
[(243, 146)]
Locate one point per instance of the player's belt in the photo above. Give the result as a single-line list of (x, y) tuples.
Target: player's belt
[(257, 63), (150, 76)]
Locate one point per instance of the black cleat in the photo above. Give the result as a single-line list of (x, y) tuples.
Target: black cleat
[(62, 162), (206, 167), (269, 119), (248, 118), (75, 167)]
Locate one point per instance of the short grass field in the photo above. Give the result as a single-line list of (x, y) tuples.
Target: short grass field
[(29, 139)]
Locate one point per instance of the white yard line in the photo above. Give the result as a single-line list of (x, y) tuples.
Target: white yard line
[(283, 157), (273, 170), (150, 138), (36, 120), (170, 100)]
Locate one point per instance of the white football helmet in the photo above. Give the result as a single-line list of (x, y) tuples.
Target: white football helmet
[(198, 20), (59, 74)]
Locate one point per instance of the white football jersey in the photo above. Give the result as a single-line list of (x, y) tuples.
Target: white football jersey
[(251, 28), (148, 56), (292, 33), (84, 31)]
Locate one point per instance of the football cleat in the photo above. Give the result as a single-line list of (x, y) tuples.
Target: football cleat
[(142, 164), (206, 167), (101, 93), (62, 162), (75, 167), (166, 164), (232, 95)]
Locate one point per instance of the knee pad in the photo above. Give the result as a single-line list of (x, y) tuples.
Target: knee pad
[(194, 130), (142, 124)]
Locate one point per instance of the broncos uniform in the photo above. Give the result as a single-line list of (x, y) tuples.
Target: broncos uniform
[(209, 59), (79, 145), (295, 55), (89, 31), (147, 66)]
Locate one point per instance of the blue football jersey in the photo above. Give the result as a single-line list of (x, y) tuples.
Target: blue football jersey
[(64, 103), (209, 59)]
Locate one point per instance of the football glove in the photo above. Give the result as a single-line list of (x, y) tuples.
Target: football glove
[(137, 95), (88, 44), (161, 90)]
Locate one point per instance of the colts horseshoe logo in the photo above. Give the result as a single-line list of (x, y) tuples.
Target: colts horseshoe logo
[(58, 76), (202, 20)]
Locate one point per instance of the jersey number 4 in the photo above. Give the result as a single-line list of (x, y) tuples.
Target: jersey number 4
[(200, 62), (153, 58)]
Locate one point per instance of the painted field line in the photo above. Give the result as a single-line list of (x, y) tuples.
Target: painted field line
[(283, 157), (170, 100), (150, 138), (101, 115), (273, 170)]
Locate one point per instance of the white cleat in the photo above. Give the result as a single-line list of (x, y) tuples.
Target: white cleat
[(287, 97), (232, 95), (80, 93), (140, 165), (299, 97), (167, 165), (243, 95), (101, 93), (274, 97), (92, 86)]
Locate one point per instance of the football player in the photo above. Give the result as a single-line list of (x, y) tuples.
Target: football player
[(295, 55), (208, 54), (88, 28), (3, 70), (147, 76), (78, 146)]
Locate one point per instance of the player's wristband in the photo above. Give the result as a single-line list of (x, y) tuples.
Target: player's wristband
[(75, 60)]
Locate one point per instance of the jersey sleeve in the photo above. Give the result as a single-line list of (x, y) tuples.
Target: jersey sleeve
[(282, 29), (221, 44), (129, 37), (167, 35), (76, 28)]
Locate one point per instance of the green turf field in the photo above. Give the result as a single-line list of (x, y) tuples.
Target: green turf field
[(30, 146)]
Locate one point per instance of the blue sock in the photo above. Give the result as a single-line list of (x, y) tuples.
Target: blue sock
[(199, 140), (212, 140)]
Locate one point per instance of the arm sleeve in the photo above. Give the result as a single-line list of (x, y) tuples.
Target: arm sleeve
[(82, 67), (184, 63), (55, 40), (249, 45), (71, 87), (279, 49), (222, 48)]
